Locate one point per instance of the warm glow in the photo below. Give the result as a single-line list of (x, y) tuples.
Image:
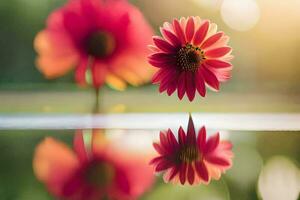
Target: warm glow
[(241, 15)]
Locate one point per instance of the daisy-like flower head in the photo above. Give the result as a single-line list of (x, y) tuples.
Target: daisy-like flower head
[(102, 173), (102, 37), (191, 159), (190, 55)]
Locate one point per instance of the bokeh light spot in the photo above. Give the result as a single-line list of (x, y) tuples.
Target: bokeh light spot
[(240, 15)]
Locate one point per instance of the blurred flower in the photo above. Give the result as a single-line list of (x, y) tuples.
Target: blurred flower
[(190, 55), (96, 36), (99, 173), (192, 159)]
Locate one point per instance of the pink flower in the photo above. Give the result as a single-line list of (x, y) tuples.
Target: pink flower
[(105, 37), (191, 159), (190, 56), (89, 175)]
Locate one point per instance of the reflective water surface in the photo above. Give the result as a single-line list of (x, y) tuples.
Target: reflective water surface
[(265, 165)]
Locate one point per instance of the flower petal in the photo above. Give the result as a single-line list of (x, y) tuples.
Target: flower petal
[(163, 45), (181, 137), (217, 63), (190, 174), (172, 140), (211, 40), (171, 37), (201, 33), (210, 78), (173, 172), (159, 148), (182, 173), (165, 164), (178, 30), (54, 163), (181, 85), (190, 29), (99, 72), (79, 147), (202, 171), (200, 84), (190, 85), (201, 139), (218, 52), (218, 161), (212, 143), (191, 134)]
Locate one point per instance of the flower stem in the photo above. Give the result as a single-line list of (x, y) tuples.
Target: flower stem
[(97, 101)]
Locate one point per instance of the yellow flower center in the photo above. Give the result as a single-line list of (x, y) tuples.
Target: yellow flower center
[(99, 174), (189, 58), (100, 44), (189, 154)]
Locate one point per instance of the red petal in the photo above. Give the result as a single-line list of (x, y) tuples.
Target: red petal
[(163, 166), (181, 137), (190, 85), (172, 140), (168, 80), (201, 33), (156, 160), (159, 149), (160, 64), (99, 72), (201, 139), (79, 147), (211, 40), (218, 52), (191, 174), (202, 171), (212, 143), (181, 85), (190, 29), (217, 63), (81, 71), (160, 75), (164, 141), (182, 173), (200, 84), (178, 30), (163, 45), (170, 37), (210, 78), (162, 57), (173, 173), (191, 134), (217, 161), (172, 86)]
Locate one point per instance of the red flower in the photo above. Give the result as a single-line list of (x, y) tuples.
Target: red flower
[(97, 174), (191, 159), (106, 37), (190, 55)]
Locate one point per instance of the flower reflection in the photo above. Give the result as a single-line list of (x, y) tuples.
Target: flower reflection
[(190, 55), (192, 159), (98, 172), (97, 36)]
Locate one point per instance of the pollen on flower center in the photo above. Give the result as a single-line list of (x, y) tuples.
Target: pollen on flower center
[(100, 44), (99, 174), (189, 154), (189, 58)]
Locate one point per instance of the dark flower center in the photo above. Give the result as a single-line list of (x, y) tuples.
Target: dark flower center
[(100, 44), (189, 58), (99, 174), (189, 154)]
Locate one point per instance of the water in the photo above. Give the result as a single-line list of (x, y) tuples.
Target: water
[(266, 148)]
